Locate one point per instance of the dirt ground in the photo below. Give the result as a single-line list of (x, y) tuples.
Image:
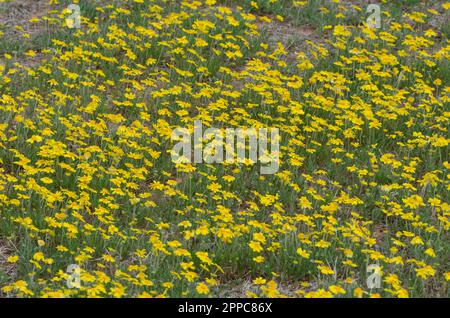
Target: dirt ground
[(19, 12)]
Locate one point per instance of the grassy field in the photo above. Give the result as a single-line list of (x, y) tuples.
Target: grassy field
[(87, 179)]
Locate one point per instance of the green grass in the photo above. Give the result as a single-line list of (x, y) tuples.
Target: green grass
[(341, 154)]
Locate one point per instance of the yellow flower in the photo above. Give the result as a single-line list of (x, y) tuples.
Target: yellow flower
[(39, 256), (12, 259), (202, 289), (302, 253), (108, 258), (413, 202), (47, 180), (255, 246), (337, 289), (417, 241), (425, 272), (447, 276), (430, 252), (259, 259), (203, 256), (325, 270), (259, 281)]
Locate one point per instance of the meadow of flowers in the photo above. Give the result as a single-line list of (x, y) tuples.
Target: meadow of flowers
[(87, 180)]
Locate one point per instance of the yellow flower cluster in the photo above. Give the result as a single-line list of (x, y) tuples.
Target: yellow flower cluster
[(86, 176)]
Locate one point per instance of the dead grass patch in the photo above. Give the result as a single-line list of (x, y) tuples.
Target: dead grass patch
[(7, 270), (15, 19)]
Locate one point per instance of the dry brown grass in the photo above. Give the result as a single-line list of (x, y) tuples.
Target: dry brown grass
[(6, 269), (18, 13)]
